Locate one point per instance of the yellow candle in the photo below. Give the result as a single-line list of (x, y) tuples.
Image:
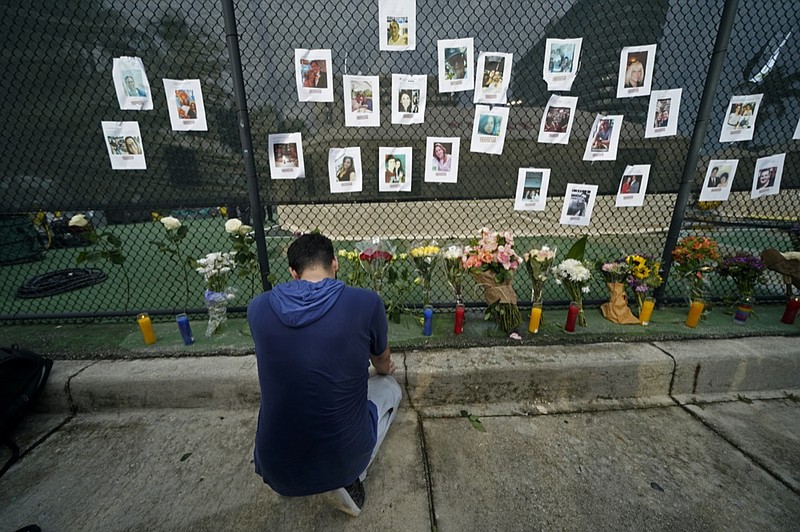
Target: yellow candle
[(647, 311), (147, 328), (536, 318), (694, 313)]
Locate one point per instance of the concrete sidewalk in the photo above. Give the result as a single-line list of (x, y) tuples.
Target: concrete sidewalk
[(690, 435)]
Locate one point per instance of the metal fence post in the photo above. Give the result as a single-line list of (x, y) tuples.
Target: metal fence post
[(698, 138), (256, 211)]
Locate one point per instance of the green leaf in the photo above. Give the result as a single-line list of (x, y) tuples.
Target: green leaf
[(182, 232), (114, 240), (464, 413), (116, 257), (81, 258), (578, 249), (185, 456), (476, 424)]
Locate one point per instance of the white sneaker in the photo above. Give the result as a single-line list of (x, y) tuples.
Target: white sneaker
[(342, 500)]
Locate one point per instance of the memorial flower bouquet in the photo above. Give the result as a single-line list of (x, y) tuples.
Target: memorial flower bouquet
[(454, 269), (356, 276), (644, 277), (616, 310), (574, 276), (538, 263), (175, 233), (375, 257), (695, 256), (424, 255), (110, 249), (492, 262), (242, 239), (746, 271), (216, 269)]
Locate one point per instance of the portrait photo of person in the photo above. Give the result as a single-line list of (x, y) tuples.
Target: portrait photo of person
[(346, 171), (285, 155), (602, 137), (455, 63), (361, 97), (408, 101), (398, 176), (315, 73), (493, 73), (557, 119), (561, 58), (661, 118), (745, 117), (132, 146), (187, 108), (489, 125), (766, 178), (442, 160), (397, 31), (390, 169), (635, 72), (132, 87), (578, 203)]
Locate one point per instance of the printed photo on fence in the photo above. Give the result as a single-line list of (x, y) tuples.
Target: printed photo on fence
[(603, 139), (740, 119), (397, 25), (633, 186), (556, 124), (185, 104), (489, 129), (532, 186), (313, 69), (662, 113), (561, 58), (796, 135), (394, 165), (124, 144), (493, 76), (456, 59), (767, 176), (344, 170), (578, 204), (441, 159), (286, 156), (719, 179), (361, 101), (408, 99), (131, 84), (636, 71)]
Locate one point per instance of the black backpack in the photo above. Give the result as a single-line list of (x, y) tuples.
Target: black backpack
[(23, 374)]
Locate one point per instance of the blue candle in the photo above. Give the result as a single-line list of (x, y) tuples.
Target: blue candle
[(427, 327), (185, 328)]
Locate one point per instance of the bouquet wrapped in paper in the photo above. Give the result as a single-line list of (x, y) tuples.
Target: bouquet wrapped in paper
[(616, 310), (375, 257), (452, 259), (492, 262)]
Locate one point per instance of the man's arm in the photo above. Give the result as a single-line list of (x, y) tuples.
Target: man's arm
[(383, 363)]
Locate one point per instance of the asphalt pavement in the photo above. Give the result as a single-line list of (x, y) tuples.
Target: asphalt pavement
[(667, 435)]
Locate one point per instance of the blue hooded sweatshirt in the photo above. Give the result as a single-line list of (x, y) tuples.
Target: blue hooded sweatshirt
[(316, 428)]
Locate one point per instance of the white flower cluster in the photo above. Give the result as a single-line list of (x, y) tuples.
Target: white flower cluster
[(573, 271), (453, 252), (215, 265), (235, 226), (540, 255), (170, 222), (79, 220)]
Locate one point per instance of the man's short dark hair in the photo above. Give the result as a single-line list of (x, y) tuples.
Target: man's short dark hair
[(310, 250)]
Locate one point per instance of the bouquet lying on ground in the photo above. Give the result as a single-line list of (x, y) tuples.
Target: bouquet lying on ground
[(538, 263), (746, 271), (644, 276), (694, 256), (492, 262)]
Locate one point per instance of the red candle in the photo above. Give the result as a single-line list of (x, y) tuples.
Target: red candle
[(572, 317), (459, 325), (792, 307)]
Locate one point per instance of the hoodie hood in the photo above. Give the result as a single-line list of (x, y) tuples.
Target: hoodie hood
[(299, 303)]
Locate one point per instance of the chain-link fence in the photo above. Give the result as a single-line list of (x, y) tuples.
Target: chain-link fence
[(57, 65)]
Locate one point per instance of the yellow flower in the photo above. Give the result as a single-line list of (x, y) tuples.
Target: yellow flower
[(424, 251)]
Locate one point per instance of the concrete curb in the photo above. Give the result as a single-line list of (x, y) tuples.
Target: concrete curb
[(585, 376)]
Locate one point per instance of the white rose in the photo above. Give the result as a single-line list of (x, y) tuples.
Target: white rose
[(244, 229), (232, 226), (170, 222), (79, 220)]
